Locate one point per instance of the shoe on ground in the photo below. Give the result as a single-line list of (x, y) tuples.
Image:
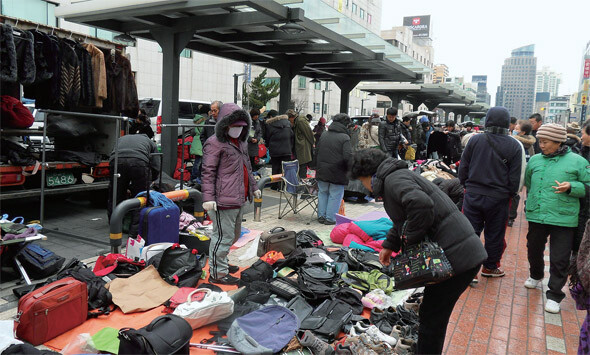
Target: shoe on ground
[(233, 269), (405, 346), (342, 349), (226, 280), (329, 222), (379, 336), (552, 307), (315, 344), (475, 281), (413, 304), (497, 272), (361, 327), (321, 220), (510, 222), (532, 283)]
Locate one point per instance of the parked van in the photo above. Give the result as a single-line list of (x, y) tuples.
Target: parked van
[(187, 109)]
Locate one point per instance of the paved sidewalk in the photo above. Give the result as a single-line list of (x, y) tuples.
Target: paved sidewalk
[(501, 316)]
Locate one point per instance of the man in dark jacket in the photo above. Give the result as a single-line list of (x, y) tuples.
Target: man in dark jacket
[(209, 130), (279, 140), (137, 168), (390, 133), (255, 136), (453, 152), (418, 210), (490, 170), (334, 151), (537, 121)]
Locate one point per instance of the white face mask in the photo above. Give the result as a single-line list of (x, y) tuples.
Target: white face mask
[(235, 132)]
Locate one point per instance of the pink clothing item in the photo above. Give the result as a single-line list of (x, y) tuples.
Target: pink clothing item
[(349, 232)]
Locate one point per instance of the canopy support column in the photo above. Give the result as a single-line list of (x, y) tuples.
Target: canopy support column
[(346, 87), (287, 71), (172, 44)]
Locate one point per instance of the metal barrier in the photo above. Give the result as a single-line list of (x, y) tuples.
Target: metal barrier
[(116, 224), (258, 201)]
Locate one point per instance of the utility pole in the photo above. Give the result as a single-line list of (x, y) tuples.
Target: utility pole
[(236, 86), (324, 98)]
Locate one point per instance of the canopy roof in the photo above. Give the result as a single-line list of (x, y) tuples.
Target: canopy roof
[(249, 31), (433, 94)]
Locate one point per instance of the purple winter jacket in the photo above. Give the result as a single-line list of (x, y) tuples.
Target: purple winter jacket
[(223, 164)]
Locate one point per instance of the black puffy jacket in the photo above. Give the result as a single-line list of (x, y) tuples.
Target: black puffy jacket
[(408, 197), (453, 189), (584, 206), (390, 135), (334, 151), (279, 136)]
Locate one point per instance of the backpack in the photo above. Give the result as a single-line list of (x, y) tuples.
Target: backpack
[(368, 281), (99, 297), (316, 284), (117, 264), (360, 260), (327, 319), (258, 292), (180, 267), (265, 331), (308, 239), (294, 260), (259, 271), (240, 309), (38, 261), (350, 296)]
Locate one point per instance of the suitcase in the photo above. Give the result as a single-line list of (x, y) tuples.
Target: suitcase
[(51, 310), (277, 239), (158, 224)]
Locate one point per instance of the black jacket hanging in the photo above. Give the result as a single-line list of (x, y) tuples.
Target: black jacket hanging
[(69, 85), (8, 68), (25, 56)]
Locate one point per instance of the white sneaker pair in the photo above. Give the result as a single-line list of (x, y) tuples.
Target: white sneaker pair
[(550, 306), (532, 283)]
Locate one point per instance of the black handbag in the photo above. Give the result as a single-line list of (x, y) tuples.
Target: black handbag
[(180, 267), (169, 334), (419, 265)]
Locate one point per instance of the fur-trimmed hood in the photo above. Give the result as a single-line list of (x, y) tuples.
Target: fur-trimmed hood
[(224, 122), (277, 118), (574, 138), (527, 140)]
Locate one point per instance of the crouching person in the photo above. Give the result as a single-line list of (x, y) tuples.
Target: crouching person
[(227, 185)]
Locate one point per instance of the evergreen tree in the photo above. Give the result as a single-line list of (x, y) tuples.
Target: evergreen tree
[(260, 92)]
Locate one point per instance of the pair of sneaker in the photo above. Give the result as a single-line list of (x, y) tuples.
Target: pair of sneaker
[(363, 344), (373, 332), (413, 302), (551, 306)]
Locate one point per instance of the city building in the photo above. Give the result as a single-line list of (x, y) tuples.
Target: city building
[(482, 88), (366, 13), (558, 110), (517, 85), (419, 48), (441, 72), (548, 81), (542, 103)]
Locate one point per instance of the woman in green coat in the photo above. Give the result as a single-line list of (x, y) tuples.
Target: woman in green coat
[(555, 182)]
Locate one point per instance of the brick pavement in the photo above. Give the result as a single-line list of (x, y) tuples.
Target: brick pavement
[(501, 316)]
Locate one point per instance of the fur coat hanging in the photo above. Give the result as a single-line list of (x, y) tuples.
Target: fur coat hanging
[(8, 68)]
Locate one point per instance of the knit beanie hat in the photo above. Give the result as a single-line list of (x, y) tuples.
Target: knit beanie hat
[(552, 132)]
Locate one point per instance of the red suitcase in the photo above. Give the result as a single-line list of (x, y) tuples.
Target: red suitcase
[(51, 310)]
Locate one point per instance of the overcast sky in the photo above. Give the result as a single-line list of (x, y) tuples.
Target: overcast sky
[(474, 37)]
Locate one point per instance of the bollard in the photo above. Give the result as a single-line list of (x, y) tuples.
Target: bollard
[(116, 223), (258, 201)]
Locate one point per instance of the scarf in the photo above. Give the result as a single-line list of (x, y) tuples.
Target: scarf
[(563, 149)]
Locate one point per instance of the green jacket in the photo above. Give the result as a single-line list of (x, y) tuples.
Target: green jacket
[(543, 205), (197, 145), (304, 140)]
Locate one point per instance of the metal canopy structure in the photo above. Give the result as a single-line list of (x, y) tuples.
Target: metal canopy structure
[(431, 95), (249, 31)]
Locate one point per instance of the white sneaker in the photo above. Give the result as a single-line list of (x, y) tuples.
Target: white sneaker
[(532, 283), (552, 307), (378, 335)]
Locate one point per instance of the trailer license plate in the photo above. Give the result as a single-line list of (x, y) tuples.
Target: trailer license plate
[(60, 178)]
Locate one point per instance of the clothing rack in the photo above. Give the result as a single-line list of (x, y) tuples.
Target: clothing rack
[(167, 125), (79, 114)]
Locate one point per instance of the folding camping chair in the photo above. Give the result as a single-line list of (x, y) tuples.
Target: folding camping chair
[(293, 186)]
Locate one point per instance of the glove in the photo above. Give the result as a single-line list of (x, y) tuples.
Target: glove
[(257, 194), (210, 206)]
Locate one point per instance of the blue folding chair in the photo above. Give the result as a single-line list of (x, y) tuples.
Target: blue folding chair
[(292, 187)]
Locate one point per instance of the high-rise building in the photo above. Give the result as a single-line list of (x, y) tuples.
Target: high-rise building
[(542, 103), (557, 110), (482, 88), (548, 81), (517, 86), (582, 99), (441, 72)]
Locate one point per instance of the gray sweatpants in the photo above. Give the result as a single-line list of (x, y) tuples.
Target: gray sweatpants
[(227, 227)]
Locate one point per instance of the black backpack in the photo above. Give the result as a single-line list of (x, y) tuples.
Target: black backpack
[(38, 261), (315, 284), (360, 260), (99, 298), (181, 267), (327, 319), (308, 239), (259, 271), (258, 292)]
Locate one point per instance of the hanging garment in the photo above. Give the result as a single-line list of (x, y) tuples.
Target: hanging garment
[(99, 74), (8, 68), (25, 56), (43, 56), (86, 80), (69, 84), (121, 88), (45, 92)]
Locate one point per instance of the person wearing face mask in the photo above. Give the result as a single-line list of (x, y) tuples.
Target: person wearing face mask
[(555, 181), (227, 185)]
